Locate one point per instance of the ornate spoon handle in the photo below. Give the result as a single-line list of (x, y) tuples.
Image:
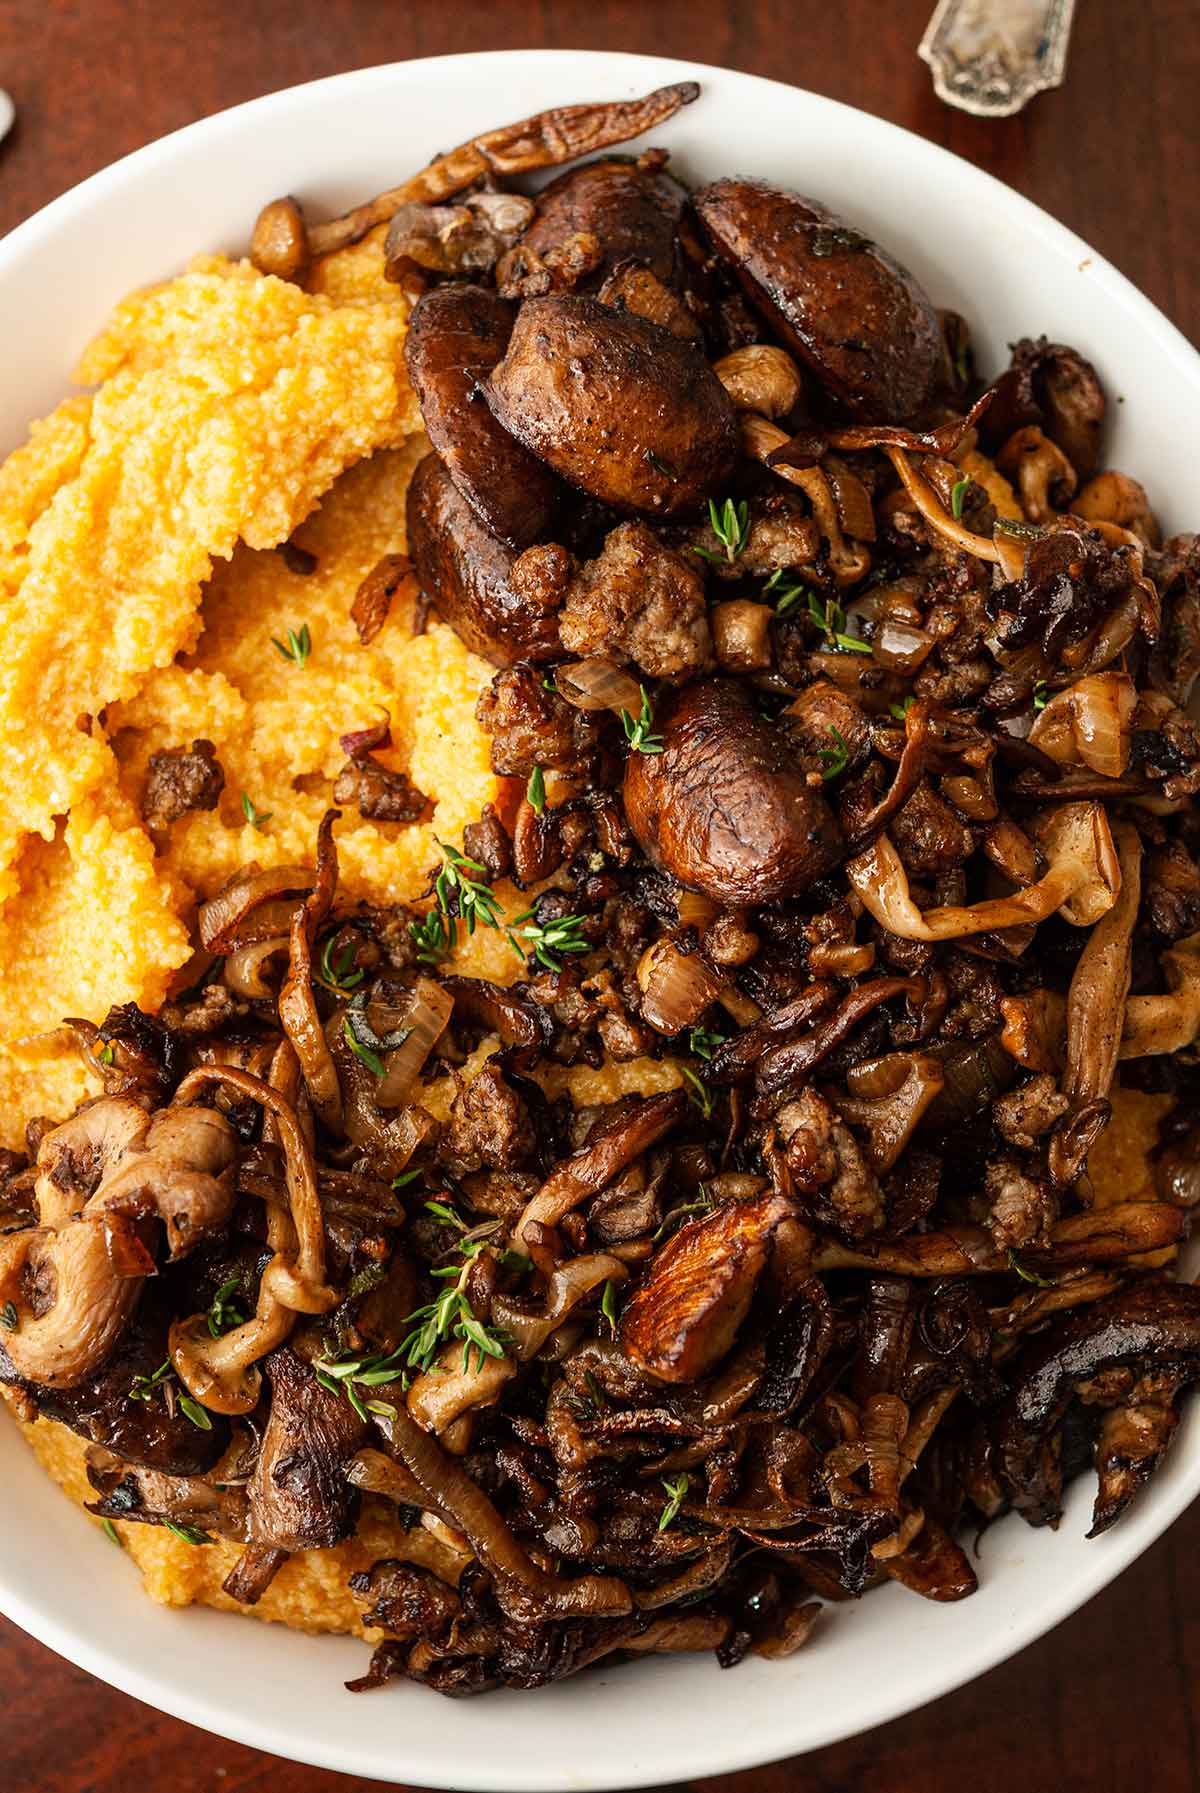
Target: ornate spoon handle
[(991, 56)]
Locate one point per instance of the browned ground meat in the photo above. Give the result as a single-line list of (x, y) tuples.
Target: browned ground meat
[(181, 779), (827, 1168), (1024, 1114), (639, 601), (928, 836), (378, 793), (486, 842), (531, 726), (490, 1125), (1023, 1207)]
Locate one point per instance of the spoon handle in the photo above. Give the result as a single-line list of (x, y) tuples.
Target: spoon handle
[(990, 57)]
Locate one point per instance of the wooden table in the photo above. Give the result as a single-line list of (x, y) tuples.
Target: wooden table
[(1107, 1703)]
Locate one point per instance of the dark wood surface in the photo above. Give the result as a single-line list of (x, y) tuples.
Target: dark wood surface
[(1108, 1703)]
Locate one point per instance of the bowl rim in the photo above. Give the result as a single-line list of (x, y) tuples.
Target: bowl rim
[(1112, 1553)]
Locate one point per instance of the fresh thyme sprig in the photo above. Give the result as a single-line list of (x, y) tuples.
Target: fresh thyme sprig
[(461, 897), (731, 526), (1014, 1263), (142, 1388), (1041, 695), (702, 1043), (535, 790), (297, 647), (190, 1534), (111, 1533), (608, 1306), (676, 1494), (830, 618), (222, 1315), (900, 710), (338, 975), (548, 940), (637, 733), (360, 1048), (835, 759), (704, 1204), (784, 590), (698, 1092), (257, 818), (957, 495), (350, 1375)]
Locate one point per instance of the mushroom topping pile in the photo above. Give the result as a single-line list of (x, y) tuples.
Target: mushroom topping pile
[(846, 846)]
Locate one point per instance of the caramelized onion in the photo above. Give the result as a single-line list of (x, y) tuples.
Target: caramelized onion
[(1089, 722), (426, 1022), (676, 987), (900, 647), (220, 920), (568, 1286), (244, 965), (598, 685)]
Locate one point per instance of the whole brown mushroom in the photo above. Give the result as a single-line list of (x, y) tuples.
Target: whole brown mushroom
[(725, 807), (859, 320)]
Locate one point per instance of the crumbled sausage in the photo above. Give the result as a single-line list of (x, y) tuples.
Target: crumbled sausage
[(639, 601), (490, 1124), (181, 779), (531, 726), (1025, 1113), (486, 842), (378, 793), (1023, 1208)]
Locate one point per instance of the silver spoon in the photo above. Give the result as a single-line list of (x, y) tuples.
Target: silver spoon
[(990, 57)]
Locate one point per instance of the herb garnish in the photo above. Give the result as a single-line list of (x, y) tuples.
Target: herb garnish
[(608, 1306), (731, 526), (548, 940), (451, 1316), (106, 1053), (676, 1493), (111, 1533), (222, 1315), (900, 710), (8, 1316), (830, 618), (698, 1093), (360, 1049), (406, 1177), (1041, 695), (460, 897), (298, 646), (142, 1387), (257, 818), (338, 974), (1014, 1263), (835, 759), (702, 1043), (535, 790), (786, 591), (192, 1410), (958, 493), (659, 465), (637, 734), (704, 1204), (350, 1375), (190, 1534)]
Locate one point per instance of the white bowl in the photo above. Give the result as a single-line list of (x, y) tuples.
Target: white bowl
[(1012, 271)]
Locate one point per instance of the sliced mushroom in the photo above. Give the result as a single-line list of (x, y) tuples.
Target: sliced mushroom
[(617, 406), (856, 318), (1082, 881), (1168, 1023), (633, 212), (1145, 1326), (683, 1316), (178, 1171), (466, 573), (456, 336), (724, 807)]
